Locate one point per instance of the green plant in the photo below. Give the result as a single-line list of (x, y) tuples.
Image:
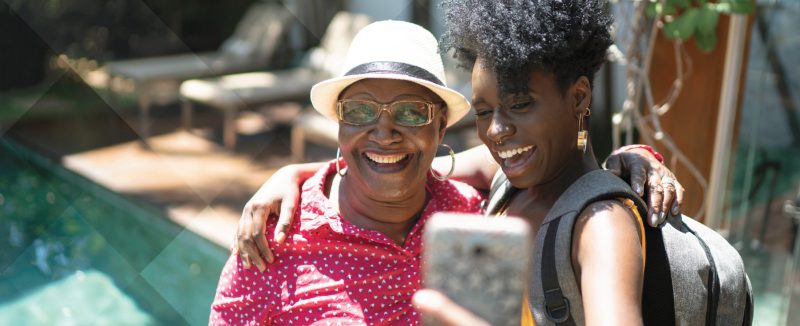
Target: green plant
[(686, 18)]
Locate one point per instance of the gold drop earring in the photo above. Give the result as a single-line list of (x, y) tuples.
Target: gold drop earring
[(583, 135)]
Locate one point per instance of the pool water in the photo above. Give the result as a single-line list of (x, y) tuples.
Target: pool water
[(75, 253)]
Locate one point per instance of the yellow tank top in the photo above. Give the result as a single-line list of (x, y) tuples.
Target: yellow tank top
[(527, 316)]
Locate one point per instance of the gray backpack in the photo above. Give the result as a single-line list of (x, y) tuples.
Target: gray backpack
[(688, 267)]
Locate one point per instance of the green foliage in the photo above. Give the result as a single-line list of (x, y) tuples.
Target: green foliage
[(679, 3), (735, 6), (684, 26), (706, 42), (655, 8), (707, 19), (698, 18)]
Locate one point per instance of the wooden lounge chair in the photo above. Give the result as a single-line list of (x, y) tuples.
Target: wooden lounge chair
[(232, 93), (252, 46), (312, 126)]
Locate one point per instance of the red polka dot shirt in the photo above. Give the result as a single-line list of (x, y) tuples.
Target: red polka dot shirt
[(331, 272)]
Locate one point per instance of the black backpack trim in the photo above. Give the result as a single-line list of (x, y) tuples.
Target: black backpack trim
[(657, 279), (712, 288), (556, 304)]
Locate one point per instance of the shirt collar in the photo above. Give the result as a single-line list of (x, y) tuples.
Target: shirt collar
[(317, 211)]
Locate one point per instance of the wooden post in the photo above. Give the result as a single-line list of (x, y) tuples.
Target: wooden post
[(692, 121)]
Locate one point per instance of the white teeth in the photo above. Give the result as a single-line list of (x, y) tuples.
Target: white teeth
[(513, 152), (385, 159)]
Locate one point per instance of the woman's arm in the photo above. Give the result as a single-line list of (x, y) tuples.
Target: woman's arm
[(608, 266), (277, 196), (474, 166), (440, 308), (607, 258), (640, 165)]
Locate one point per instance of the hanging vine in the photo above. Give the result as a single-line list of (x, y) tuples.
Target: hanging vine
[(680, 21)]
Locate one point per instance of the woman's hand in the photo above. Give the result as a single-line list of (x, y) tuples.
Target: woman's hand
[(640, 167), (277, 196), (438, 307)]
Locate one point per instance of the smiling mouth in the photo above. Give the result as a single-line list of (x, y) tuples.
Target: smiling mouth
[(514, 161), (513, 152), (385, 159), (387, 163)]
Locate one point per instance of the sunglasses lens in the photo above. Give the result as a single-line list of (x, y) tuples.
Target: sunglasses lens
[(404, 113), (359, 112), (411, 113)]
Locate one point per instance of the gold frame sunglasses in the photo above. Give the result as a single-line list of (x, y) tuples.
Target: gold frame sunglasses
[(392, 108)]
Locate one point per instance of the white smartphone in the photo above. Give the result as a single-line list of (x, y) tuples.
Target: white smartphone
[(481, 263)]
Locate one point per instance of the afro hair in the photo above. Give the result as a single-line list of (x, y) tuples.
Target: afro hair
[(515, 37)]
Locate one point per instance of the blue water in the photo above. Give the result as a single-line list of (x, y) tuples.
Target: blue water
[(74, 253)]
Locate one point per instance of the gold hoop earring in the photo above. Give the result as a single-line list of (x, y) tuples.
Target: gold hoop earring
[(583, 135), (338, 157), (452, 165)]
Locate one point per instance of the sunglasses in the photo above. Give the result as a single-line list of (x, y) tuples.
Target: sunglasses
[(404, 113)]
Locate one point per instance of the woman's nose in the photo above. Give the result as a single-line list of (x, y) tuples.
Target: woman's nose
[(499, 128), (385, 131)]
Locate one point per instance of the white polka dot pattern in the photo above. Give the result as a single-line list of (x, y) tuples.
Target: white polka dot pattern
[(331, 272)]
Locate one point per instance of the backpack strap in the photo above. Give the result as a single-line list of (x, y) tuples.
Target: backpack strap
[(556, 305), (500, 194), (557, 297)]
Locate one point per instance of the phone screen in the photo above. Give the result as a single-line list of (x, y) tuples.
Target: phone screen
[(479, 262)]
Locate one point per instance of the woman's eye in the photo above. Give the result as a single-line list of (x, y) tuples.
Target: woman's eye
[(360, 111), (482, 113), (521, 105)]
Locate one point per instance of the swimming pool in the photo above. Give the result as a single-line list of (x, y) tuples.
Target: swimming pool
[(75, 253)]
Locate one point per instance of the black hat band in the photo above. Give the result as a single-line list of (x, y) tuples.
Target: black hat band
[(391, 67)]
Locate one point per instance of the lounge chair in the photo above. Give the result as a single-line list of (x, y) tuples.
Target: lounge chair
[(252, 46), (312, 126), (241, 91)]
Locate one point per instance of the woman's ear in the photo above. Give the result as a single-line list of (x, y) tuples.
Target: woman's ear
[(442, 123), (581, 92)]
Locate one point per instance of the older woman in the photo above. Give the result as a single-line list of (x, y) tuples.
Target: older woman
[(354, 252)]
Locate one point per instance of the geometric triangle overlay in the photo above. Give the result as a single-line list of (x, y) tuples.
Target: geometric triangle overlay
[(196, 265)]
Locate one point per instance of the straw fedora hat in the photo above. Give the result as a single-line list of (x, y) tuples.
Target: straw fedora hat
[(391, 50)]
